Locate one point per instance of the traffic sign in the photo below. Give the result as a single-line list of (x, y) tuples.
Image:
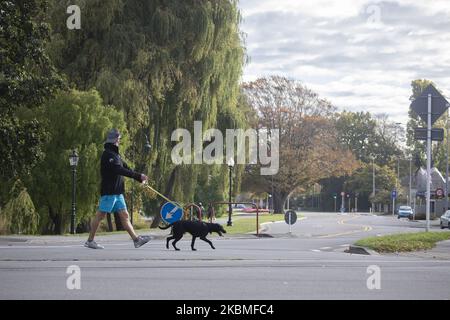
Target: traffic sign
[(394, 194), (439, 192), (171, 213), (439, 104), (342, 193), (437, 134), (290, 217)]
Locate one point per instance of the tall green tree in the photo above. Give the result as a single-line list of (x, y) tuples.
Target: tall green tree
[(79, 121), (164, 63), (368, 136), (27, 79)]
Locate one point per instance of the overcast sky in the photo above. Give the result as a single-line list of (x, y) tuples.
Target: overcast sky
[(359, 54)]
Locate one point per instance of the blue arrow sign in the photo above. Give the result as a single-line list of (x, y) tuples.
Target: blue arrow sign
[(171, 213), (394, 194)]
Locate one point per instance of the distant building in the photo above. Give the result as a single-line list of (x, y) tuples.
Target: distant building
[(437, 206)]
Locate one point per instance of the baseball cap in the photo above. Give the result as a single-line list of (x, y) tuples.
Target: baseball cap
[(112, 136)]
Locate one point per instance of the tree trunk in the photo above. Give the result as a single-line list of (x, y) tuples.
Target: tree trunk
[(108, 219), (169, 189), (56, 219), (118, 223), (279, 198)]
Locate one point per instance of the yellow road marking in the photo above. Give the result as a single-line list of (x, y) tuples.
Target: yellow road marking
[(365, 229)]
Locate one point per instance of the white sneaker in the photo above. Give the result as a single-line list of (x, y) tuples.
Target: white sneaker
[(93, 245), (141, 240)]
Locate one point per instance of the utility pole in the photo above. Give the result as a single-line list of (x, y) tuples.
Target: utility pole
[(410, 181), (373, 182), (428, 163), (446, 170)]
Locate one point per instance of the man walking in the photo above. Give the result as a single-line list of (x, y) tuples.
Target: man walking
[(113, 169)]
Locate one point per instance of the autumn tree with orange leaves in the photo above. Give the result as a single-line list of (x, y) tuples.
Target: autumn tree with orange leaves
[(308, 149)]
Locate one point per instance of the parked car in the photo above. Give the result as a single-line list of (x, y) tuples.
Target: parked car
[(239, 207), (252, 210), (405, 212), (445, 220)]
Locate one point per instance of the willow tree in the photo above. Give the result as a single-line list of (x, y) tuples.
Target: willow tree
[(164, 63)]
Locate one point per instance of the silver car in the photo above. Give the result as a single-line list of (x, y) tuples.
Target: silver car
[(405, 212), (445, 220)]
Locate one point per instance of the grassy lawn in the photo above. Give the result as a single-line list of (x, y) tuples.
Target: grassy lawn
[(404, 242), (248, 224), (240, 225)]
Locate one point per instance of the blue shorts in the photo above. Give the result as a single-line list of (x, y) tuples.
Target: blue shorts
[(112, 203)]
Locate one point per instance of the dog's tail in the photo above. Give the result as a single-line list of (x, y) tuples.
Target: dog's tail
[(166, 227)]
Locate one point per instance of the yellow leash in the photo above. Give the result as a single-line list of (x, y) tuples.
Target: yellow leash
[(163, 196)]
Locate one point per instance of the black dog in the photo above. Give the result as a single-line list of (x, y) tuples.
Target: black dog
[(195, 228)]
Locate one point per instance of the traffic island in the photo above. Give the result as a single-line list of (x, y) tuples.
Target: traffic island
[(403, 242), (359, 250)]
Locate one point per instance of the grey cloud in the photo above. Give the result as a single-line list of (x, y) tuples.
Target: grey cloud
[(284, 41)]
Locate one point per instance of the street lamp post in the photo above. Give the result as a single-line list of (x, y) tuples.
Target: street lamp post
[(73, 160), (373, 183), (230, 209)]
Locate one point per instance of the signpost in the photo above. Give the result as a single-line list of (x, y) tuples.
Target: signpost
[(394, 196), (430, 105), (290, 217), (171, 213), (437, 134), (335, 197)]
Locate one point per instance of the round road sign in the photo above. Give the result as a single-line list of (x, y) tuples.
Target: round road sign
[(292, 215), (171, 213)]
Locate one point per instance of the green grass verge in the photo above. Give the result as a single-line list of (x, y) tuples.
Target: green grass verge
[(240, 225), (248, 224), (404, 242)]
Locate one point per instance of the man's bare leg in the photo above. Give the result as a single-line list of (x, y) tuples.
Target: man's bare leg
[(124, 218), (95, 223)]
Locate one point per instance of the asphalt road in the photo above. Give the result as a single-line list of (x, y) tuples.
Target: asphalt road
[(309, 263)]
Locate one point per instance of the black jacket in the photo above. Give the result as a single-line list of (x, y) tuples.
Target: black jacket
[(112, 169)]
